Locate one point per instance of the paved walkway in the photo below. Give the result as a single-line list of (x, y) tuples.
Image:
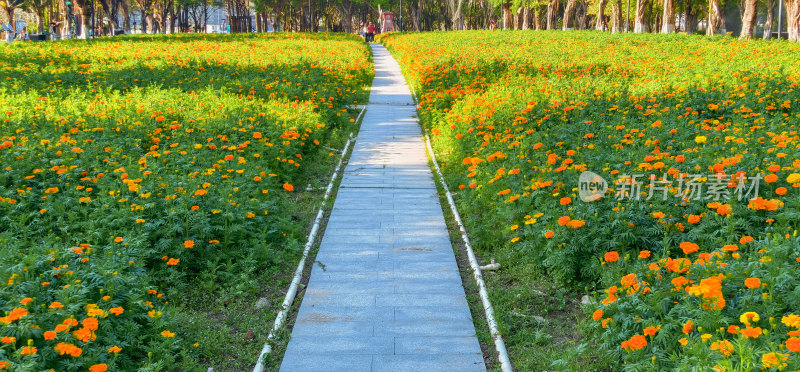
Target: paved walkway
[(385, 292)]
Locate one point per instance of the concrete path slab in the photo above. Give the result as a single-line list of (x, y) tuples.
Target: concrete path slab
[(385, 293)]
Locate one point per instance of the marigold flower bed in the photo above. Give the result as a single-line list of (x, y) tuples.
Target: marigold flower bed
[(695, 269), (133, 165)]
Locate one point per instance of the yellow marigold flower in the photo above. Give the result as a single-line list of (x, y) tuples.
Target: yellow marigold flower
[(700, 139), (705, 336), (748, 317)]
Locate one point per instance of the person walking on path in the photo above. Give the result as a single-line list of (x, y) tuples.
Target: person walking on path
[(370, 32)]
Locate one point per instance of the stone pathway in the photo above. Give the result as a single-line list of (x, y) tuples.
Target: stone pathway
[(385, 293)]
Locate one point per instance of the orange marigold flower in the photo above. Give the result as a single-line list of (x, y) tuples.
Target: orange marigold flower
[(4, 364), (771, 178), (549, 234), (56, 305), (611, 256), (114, 349), (651, 331), (644, 254), (167, 334), (658, 215), (173, 261), (563, 220), (679, 281), (752, 283), (90, 324), (688, 247), (26, 300), (565, 201), (774, 360), (688, 327), (724, 210), (288, 187), (49, 335), (733, 329), (29, 350), (683, 341), (745, 239), (793, 344), (102, 367), (730, 248), (636, 342), (751, 332), (693, 218), (116, 310), (188, 244), (574, 224), (8, 339), (118, 239), (597, 315), (64, 348), (14, 315), (723, 347)]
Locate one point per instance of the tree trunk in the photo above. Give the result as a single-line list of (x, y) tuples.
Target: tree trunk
[(536, 18), (10, 13), (552, 16), (507, 16), (768, 21), (616, 17), (748, 20), (525, 17), (569, 9), (715, 21), (793, 19), (668, 19), (456, 16), (639, 23), (601, 9), (581, 13)]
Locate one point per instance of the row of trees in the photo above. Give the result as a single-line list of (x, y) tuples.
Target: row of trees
[(665, 16)]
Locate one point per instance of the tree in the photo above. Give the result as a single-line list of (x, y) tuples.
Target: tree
[(715, 20), (639, 23), (616, 17), (668, 18), (748, 20), (552, 14), (569, 11), (793, 19), (770, 17), (10, 6), (601, 8), (456, 17)]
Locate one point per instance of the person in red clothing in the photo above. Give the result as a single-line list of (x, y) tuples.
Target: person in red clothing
[(370, 32)]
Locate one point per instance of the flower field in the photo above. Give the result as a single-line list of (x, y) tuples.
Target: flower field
[(135, 168), (692, 252)]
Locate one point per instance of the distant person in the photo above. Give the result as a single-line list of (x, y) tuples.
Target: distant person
[(370, 32), (492, 24), (23, 35)]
